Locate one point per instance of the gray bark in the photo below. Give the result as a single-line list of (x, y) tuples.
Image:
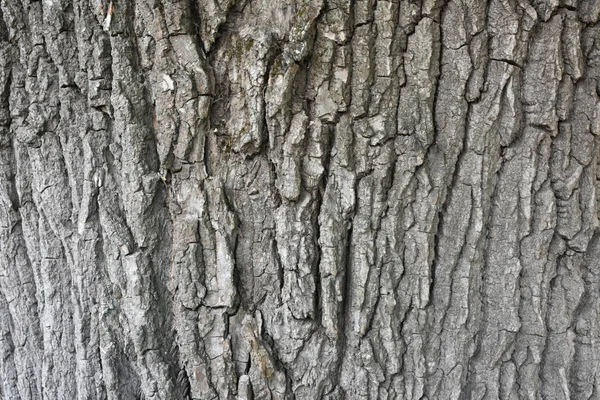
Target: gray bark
[(299, 199)]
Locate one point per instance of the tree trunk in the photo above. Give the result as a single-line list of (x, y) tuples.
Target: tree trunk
[(299, 199)]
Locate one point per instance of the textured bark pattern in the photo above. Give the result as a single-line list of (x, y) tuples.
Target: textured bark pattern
[(299, 199)]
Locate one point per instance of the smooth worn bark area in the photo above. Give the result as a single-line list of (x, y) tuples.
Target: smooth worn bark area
[(299, 199)]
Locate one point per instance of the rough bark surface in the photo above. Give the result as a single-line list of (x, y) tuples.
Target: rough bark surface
[(299, 199)]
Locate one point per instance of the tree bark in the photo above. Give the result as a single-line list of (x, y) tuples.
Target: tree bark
[(299, 199)]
